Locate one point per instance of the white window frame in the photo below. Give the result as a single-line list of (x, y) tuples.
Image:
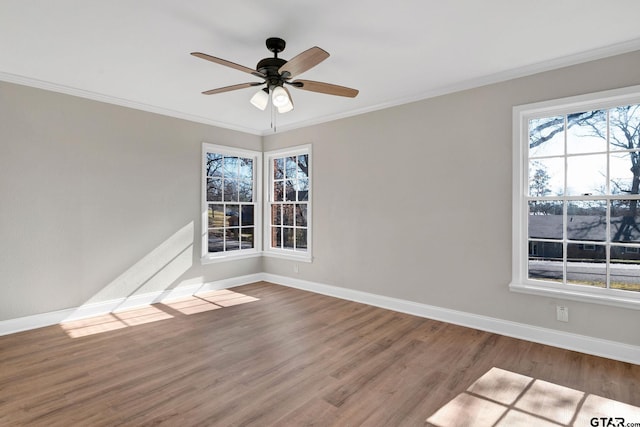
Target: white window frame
[(211, 257), (269, 156), (521, 115)]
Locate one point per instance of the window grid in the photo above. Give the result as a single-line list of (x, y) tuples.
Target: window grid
[(231, 215), (289, 206), (290, 203), (607, 196)]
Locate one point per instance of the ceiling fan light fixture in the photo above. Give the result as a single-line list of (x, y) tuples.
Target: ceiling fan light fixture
[(275, 73), (280, 97), (260, 99), (285, 108)]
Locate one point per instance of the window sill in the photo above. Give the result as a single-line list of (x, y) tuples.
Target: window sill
[(607, 297), (289, 256), (209, 259)]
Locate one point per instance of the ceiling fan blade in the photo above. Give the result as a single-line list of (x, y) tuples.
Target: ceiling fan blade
[(304, 61), (327, 88), (228, 64), (230, 88)]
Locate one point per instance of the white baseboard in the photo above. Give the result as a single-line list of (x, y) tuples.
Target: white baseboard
[(584, 344), (569, 341), (96, 309)]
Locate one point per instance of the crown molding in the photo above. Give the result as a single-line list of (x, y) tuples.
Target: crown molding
[(527, 70), (95, 96), (556, 63)]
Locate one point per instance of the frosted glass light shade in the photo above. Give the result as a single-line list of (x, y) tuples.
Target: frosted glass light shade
[(260, 99), (285, 108), (280, 97)]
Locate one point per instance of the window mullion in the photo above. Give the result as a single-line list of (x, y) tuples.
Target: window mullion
[(565, 206), (608, 200)]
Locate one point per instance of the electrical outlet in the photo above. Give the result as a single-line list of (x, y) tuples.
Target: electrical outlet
[(562, 313), (296, 268)]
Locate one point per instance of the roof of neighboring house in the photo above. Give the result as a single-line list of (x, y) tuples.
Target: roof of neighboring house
[(580, 227)]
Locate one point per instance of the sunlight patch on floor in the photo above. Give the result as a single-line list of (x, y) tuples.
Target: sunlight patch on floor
[(113, 321), (191, 305), (207, 301), (503, 398), (227, 298), (200, 303)]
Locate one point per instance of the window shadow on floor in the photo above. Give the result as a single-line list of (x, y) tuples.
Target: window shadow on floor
[(504, 398), (200, 303)]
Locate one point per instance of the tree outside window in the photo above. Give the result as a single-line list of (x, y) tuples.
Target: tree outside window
[(583, 225), (289, 205)]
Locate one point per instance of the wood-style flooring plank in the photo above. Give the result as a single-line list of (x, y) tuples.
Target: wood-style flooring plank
[(267, 355)]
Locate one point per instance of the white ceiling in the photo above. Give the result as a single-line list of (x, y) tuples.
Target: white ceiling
[(136, 52)]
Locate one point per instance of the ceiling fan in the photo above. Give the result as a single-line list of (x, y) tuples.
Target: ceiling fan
[(276, 73)]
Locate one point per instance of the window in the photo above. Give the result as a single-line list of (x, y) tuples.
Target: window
[(288, 233), (231, 196), (576, 195)]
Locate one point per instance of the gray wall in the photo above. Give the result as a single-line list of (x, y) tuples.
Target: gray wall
[(414, 202), (99, 202)]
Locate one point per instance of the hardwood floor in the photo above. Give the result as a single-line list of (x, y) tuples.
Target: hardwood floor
[(267, 355)]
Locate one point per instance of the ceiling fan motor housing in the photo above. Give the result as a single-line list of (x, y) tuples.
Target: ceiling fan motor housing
[(269, 67)]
